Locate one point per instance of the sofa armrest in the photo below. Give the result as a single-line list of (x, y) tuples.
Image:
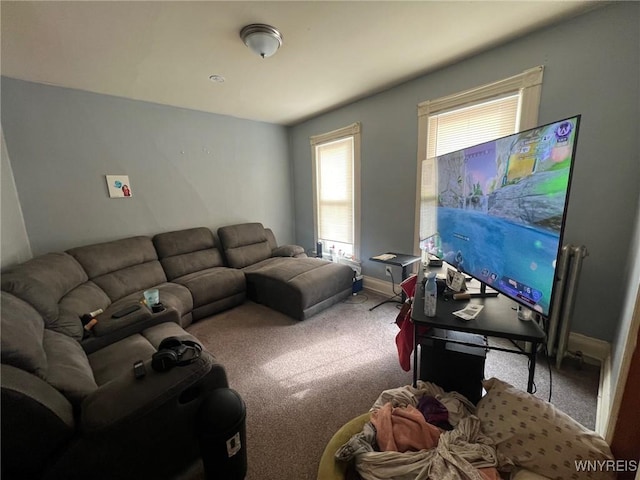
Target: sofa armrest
[(40, 392), (282, 250), (37, 420), (288, 251), (110, 330), (126, 398)]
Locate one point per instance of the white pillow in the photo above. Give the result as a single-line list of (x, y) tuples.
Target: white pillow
[(531, 433)]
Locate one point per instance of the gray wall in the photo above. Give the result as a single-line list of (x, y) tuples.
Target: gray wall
[(631, 278), (591, 67), (186, 168), (14, 243)]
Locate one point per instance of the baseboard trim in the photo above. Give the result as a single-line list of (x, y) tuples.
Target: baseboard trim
[(378, 286), (592, 349), (603, 406)]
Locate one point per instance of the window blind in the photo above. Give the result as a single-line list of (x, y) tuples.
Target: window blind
[(456, 129), (334, 163), (471, 125)]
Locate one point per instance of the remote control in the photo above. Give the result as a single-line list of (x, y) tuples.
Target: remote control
[(138, 369)]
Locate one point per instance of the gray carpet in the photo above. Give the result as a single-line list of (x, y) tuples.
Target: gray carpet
[(301, 381)]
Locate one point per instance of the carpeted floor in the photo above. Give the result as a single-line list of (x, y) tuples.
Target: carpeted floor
[(301, 381)]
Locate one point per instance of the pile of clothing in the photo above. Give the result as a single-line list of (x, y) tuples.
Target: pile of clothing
[(420, 433)]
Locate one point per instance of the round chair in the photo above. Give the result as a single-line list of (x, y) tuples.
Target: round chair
[(329, 469)]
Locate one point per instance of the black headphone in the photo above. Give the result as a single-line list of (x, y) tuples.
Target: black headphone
[(175, 352)]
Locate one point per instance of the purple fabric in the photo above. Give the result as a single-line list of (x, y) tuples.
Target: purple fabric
[(434, 412)]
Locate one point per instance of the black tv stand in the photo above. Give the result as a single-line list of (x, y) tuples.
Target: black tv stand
[(466, 295), (484, 293)]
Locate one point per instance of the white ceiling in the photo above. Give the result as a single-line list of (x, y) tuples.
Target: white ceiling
[(333, 52)]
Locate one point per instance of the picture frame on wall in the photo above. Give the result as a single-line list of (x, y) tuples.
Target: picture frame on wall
[(119, 186)]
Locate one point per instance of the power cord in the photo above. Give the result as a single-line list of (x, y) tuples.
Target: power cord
[(546, 354), (393, 284), (393, 288)]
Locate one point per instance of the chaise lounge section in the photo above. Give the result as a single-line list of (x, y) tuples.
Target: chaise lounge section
[(281, 277)]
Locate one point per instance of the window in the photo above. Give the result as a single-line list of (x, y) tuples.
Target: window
[(336, 189), (465, 119)]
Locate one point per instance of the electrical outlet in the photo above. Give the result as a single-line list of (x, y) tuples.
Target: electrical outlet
[(387, 270)]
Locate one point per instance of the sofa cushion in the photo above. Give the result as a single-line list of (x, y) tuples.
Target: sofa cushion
[(114, 360), (42, 282), (185, 264), (121, 267), (298, 287), (187, 251), (288, 251), (22, 336), (69, 371), (244, 244), (135, 278), (531, 433), (157, 333), (213, 284), (83, 299), (102, 258), (176, 296), (271, 238), (178, 242)]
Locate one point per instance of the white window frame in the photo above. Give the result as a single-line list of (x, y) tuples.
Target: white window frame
[(353, 131), (527, 84)]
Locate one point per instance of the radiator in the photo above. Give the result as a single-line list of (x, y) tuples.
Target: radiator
[(567, 276)]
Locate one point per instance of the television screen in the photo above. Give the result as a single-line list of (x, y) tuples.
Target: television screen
[(500, 210)]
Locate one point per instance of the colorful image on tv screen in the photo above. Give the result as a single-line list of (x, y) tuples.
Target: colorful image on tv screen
[(501, 208)]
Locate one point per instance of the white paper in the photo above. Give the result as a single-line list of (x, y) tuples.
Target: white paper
[(469, 312), (385, 256)]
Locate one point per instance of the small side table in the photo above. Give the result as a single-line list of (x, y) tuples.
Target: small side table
[(397, 260)]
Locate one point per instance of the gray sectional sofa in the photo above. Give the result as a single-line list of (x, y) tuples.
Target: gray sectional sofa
[(71, 405)]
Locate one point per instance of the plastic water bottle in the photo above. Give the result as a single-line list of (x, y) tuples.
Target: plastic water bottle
[(430, 295)]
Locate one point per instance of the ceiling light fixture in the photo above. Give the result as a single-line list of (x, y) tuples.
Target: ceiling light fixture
[(263, 40)]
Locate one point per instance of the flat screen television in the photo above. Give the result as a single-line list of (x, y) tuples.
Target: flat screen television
[(500, 209)]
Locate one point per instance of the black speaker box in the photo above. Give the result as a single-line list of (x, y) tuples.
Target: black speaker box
[(452, 366)]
